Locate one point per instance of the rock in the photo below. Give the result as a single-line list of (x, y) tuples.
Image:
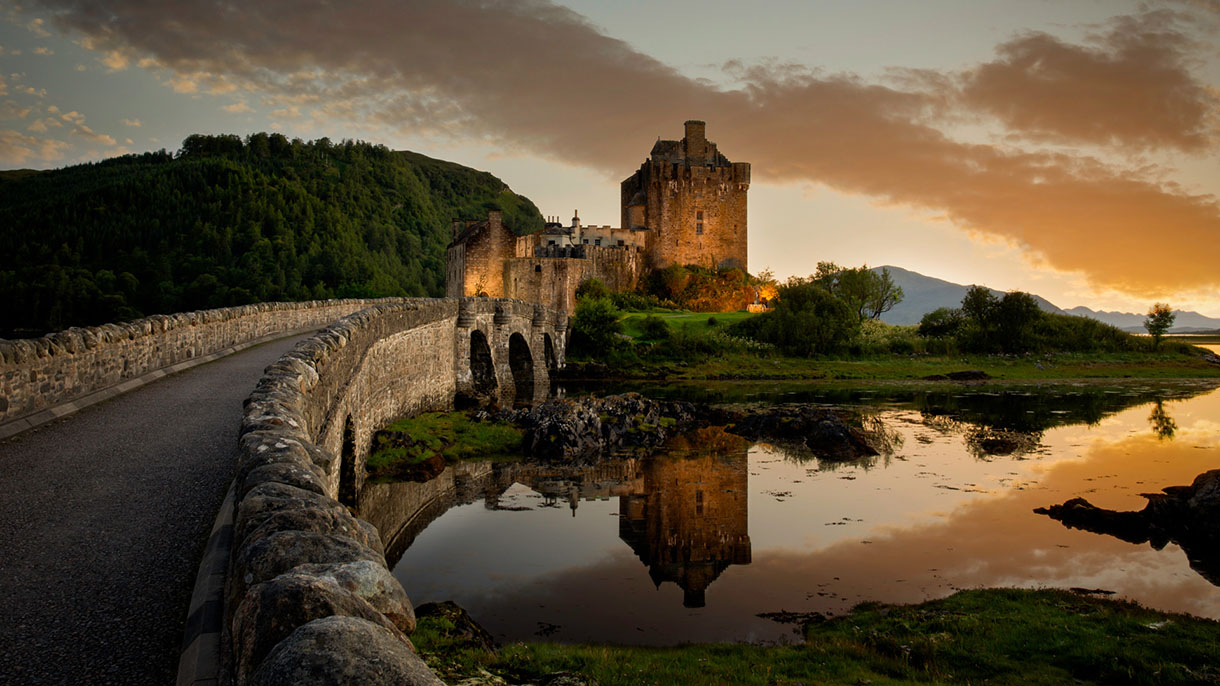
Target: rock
[(573, 428), (301, 474), (464, 625), (268, 498), (270, 611), (1212, 358), (336, 521), (825, 433), (337, 651), (969, 375), (1186, 515), (277, 553), (372, 582)]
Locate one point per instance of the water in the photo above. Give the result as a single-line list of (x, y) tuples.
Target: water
[(691, 543)]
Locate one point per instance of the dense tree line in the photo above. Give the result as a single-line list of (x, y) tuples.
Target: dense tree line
[(1014, 323), (227, 221)]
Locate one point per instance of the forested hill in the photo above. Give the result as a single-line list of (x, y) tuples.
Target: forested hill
[(229, 222)]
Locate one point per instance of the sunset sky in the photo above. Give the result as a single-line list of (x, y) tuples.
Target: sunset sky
[(1070, 149)]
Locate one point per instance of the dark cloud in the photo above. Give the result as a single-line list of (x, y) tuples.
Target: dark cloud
[(531, 75), (1131, 89)]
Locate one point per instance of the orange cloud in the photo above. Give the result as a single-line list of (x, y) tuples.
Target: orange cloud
[(536, 76), (1132, 89)]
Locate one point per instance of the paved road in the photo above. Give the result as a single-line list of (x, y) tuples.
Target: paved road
[(103, 520)]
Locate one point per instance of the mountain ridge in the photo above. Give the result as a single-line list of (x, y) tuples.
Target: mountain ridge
[(923, 294)]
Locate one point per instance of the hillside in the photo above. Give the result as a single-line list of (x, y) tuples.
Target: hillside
[(922, 294), (229, 222)]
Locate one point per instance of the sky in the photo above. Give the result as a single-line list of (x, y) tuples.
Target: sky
[(1068, 148)]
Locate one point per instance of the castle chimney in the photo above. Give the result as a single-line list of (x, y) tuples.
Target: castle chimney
[(695, 141)]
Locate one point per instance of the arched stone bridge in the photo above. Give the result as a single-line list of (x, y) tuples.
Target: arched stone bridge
[(304, 438)]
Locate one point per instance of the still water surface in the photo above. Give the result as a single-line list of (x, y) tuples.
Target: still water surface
[(692, 542)]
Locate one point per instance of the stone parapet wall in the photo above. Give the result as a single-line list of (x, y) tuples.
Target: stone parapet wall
[(41, 373), (307, 577)]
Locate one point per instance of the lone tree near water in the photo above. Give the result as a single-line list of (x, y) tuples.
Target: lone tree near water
[(1160, 318)]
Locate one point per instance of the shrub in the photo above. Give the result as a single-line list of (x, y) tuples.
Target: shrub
[(942, 322), (595, 327), (655, 328), (807, 320), (592, 289)]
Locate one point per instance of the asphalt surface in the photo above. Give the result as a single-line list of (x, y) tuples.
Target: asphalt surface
[(104, 516)]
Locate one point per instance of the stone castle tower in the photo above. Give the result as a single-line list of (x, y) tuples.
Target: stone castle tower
[(691, 200)]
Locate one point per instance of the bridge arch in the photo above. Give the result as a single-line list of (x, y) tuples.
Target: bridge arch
[(348, 483), (482, 365), (521, 364), (548, 353)]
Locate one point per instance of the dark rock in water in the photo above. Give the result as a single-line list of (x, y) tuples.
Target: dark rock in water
[(572, 428), (1186, 515), (464, 625), (1213, 358), (969, 375), (825, 433)]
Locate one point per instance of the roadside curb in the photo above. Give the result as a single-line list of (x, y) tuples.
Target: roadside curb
[(199, 664), (16, 426)]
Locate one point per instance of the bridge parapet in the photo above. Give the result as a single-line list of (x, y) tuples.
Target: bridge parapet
[(304, 439), (40, 378)]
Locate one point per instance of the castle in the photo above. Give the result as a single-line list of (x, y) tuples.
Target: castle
[(686, 204)]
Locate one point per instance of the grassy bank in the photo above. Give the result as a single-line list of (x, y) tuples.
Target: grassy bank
[(436, 438), (995, 636), (1057, 366), (700, 346)]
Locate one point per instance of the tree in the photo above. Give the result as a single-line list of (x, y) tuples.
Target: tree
[(978, 304), (1160, 319), (885, 294), (865, 292)]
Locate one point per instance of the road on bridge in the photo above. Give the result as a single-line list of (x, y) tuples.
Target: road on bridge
[(104, 516)]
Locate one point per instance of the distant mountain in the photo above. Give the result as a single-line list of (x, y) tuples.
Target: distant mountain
[(922, 294), (1185, 322)]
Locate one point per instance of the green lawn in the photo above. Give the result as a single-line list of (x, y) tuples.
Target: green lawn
[(994, 636), (631, 320)]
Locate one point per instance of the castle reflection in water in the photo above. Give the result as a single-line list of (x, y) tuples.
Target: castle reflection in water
[(684, 511)]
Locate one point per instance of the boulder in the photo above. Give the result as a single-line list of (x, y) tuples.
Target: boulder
[(337, 651), (271, 611)]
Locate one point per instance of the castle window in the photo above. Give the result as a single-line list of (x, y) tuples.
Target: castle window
[(699, 215), (699, 228), (597, 242), (585, 241), (537, 269), (620, 242), (550, 242)]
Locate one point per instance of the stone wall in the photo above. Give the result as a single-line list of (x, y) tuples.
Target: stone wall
[(308, 588), (552, 281), (41, 373)]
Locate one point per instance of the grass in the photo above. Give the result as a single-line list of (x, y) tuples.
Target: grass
[(680, 358), (631, 321), (994, 636), (904, 367), (451, 436)]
